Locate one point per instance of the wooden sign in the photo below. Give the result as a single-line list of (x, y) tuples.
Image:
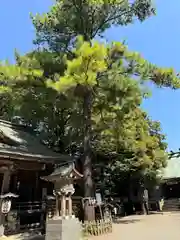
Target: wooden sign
[(91, 201), (98, 199)]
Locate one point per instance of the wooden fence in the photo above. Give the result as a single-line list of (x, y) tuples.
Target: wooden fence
[(97, 228)]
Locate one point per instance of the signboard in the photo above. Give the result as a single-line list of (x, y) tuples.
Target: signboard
[(6, 206), (91, 201), (98, 199)]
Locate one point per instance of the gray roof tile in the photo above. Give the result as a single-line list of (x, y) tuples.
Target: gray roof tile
[(17, 141)]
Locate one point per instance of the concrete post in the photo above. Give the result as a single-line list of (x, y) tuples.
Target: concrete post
[(63, 205), (69, 205)]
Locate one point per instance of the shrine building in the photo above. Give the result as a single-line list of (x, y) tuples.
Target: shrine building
[(24, 159)]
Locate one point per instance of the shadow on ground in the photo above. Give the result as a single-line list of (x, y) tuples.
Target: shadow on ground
[(33, 237), (26, 236), (125, 221), (154, 212)]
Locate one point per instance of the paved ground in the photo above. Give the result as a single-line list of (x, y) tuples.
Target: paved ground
[(152, 227)]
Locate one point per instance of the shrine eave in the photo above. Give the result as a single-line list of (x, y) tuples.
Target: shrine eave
[(8, 155), (21, 143)]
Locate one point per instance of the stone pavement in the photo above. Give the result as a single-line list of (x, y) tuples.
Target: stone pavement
[(152, 227)]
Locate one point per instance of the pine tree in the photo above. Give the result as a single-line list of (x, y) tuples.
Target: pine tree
[(106, 83), (97, 69)]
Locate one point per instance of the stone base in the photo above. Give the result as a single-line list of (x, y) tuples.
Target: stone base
[(63, 229)]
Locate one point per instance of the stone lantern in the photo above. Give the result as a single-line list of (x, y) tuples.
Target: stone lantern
[(5, 204), (64, 225)]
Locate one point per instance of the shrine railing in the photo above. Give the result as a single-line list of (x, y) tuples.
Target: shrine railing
[(31, 216), (25, 216), (28, 206)]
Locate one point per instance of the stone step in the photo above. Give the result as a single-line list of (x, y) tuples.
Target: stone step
[(171, 205), (168, 206), (171, 208)]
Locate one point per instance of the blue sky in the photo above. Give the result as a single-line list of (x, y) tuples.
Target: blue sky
[(157, 39)]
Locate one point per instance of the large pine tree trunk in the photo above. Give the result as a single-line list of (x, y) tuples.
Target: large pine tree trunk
[(89, 212)]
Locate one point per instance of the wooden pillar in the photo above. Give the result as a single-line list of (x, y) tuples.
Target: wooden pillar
[(15, 182), (6, 182), (44, 208), (69, 205), (44, 194), (63, 205), (36, 192)]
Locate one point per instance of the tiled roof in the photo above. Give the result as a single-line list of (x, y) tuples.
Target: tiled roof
[(63, 171), (173, 169), (17, 141)]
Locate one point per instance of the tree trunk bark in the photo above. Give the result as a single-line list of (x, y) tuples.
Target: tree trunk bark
[(89, 212)]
